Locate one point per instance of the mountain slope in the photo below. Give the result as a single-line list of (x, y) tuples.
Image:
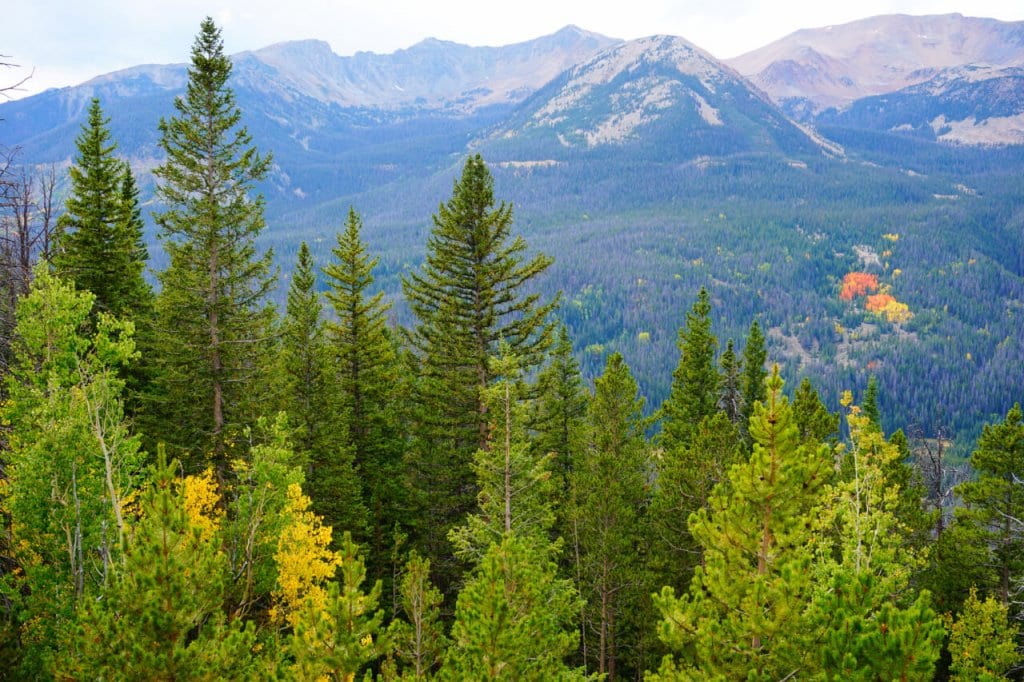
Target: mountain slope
[(662, 94), (814, 69)]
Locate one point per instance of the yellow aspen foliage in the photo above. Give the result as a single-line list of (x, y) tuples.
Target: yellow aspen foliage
[(891, 236), (202, 503), (304, 561)]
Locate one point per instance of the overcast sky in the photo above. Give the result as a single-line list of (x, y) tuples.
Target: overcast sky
[(65, 42)]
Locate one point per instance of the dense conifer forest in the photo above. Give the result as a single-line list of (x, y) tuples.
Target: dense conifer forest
[(198, 484)]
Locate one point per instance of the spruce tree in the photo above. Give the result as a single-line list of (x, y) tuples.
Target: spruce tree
[(815, 424), (100, 240), (695, 381), (365, 376), (608, 497), (561, 405), (994, 504), (730, 394), (754, 373), (212, 323), (870, 406), (468, 295)]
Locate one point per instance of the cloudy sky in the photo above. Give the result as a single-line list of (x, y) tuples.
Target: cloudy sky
[(64, 42)]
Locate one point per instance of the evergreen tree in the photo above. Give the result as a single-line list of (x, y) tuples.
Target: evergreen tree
[(870, 407), (684, 485), (730, 394), (366, 374), (608, 497), (161, 617), (815, 424), (741, 618), (100, 242), (695, 381), (561, 405), (994, 504), (754, 358), (516, 491), (337, 637), (212, 324), (513, 620), (419, 639), (468, 295)]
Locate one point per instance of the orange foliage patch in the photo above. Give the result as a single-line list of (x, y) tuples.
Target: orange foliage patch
[(878, 302), (857, 284)]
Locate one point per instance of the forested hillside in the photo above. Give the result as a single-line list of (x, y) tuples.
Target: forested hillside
[(711, 440)]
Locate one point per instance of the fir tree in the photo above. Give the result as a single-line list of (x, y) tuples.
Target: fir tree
[(730, 394), (754, 374), (608, 496), (366, 376), (815, 424), (695, 381), (468, 295), (561, 405), (212, 324), (870, 406), (100, 245), (994, 503)]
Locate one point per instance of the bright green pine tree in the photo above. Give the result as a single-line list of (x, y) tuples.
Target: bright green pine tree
[(468, 295), (70, 461), (161, 617), (695, 381), (514, 619), (366, 377), (608, 496), (339, 638), (754, 358), (815, 424), (730, 393), (418, 637), (561, 406), (982, 641), (994, 504), (100, 242), (516, 490), (212, 324), (741, 618)]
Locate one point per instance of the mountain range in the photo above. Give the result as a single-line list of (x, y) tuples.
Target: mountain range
[(892, 145)]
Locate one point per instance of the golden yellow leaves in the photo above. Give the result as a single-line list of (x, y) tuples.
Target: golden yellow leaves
[(202, 503), (303, 559)]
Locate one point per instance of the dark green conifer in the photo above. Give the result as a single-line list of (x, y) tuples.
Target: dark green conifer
[(695, 381), (212, 323), (730, 393), (100, 240), (468, 295), (754, 373), (366, 379), (815, 424)]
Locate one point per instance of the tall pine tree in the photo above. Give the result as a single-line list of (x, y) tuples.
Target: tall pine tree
[(212, 322), (695, 381), (468, 295)]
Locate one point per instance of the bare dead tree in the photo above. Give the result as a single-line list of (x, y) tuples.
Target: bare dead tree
[(939, 475), (13, 87)]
